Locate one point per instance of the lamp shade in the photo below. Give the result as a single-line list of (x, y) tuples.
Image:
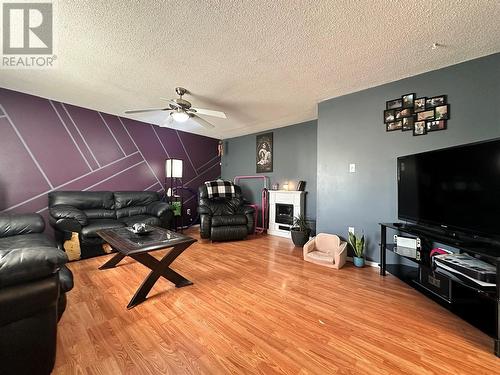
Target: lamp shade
[(173, 168)]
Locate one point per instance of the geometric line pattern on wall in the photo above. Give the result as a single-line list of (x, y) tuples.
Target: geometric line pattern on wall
[(80, 134), (21, 139), (70, 135), (46, 145)]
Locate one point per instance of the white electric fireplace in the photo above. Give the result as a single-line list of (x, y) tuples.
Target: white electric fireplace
[(284, 205)]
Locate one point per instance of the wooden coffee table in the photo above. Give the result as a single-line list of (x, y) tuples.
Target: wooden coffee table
[(127, 243)]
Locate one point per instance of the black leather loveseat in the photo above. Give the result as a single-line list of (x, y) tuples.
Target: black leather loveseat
[(224, 218), (86, 212), (33, 283)]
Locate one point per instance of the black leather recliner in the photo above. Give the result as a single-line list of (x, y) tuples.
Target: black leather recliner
[(224, 219), (86, 212), (33, 286)]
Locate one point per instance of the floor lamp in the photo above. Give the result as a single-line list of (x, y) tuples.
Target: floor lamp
[(173, 174)]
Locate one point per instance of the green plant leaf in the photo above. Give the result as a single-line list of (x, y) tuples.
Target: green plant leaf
[(301, 223), (358, 244), (352, 239)]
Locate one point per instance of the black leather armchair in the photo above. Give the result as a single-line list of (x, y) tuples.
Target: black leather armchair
[(224, 219), (86, 212), (33, 283)]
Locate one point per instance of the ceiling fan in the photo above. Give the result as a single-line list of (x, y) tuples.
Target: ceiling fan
[(180, 110)]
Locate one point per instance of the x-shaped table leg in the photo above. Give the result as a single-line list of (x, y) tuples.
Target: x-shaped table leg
[(112, 262), (159, 268)]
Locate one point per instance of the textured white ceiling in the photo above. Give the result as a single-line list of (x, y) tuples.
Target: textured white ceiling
[(265, 63)]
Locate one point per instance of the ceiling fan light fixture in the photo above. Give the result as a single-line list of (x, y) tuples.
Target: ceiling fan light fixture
[(180, 110), (180, 115)]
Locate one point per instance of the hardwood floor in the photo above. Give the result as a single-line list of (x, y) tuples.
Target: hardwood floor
[(257, 307)]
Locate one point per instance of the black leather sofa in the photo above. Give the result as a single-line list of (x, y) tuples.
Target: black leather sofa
[(33, 286), (86, 212), (224, 219)]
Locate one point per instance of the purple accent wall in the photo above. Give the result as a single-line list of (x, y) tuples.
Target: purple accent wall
[(46, 145)]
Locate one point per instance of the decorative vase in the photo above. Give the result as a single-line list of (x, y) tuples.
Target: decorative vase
[(299, 238), (359, 261)]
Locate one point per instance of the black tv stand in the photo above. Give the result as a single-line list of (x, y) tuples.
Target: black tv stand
[(457, 295)]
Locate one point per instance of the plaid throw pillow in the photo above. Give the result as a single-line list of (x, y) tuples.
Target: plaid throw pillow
[(220, 189)]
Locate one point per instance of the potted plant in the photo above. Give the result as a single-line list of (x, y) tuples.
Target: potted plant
[(300, 230), (358, 245)]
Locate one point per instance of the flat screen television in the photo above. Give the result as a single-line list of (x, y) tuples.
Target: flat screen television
[(456, 188)]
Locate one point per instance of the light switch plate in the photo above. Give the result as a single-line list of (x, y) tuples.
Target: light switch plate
[(352, 168)]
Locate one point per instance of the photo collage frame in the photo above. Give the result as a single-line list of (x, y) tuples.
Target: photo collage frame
[(419, 115)]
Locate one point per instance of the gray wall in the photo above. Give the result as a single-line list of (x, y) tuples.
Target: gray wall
[(294, 159), (350, 130)]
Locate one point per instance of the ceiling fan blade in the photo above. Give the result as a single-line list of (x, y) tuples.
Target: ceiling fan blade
[(202, 122), (209, 112), (170, 101), (144, 110)]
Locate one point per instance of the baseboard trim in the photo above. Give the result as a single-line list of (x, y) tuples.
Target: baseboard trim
[(367, 262)]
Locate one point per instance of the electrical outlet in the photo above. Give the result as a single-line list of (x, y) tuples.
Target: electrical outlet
[(351, 230), (188, 211), (352, 168)]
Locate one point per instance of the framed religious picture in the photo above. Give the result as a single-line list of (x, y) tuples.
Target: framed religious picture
[(264, 157)]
